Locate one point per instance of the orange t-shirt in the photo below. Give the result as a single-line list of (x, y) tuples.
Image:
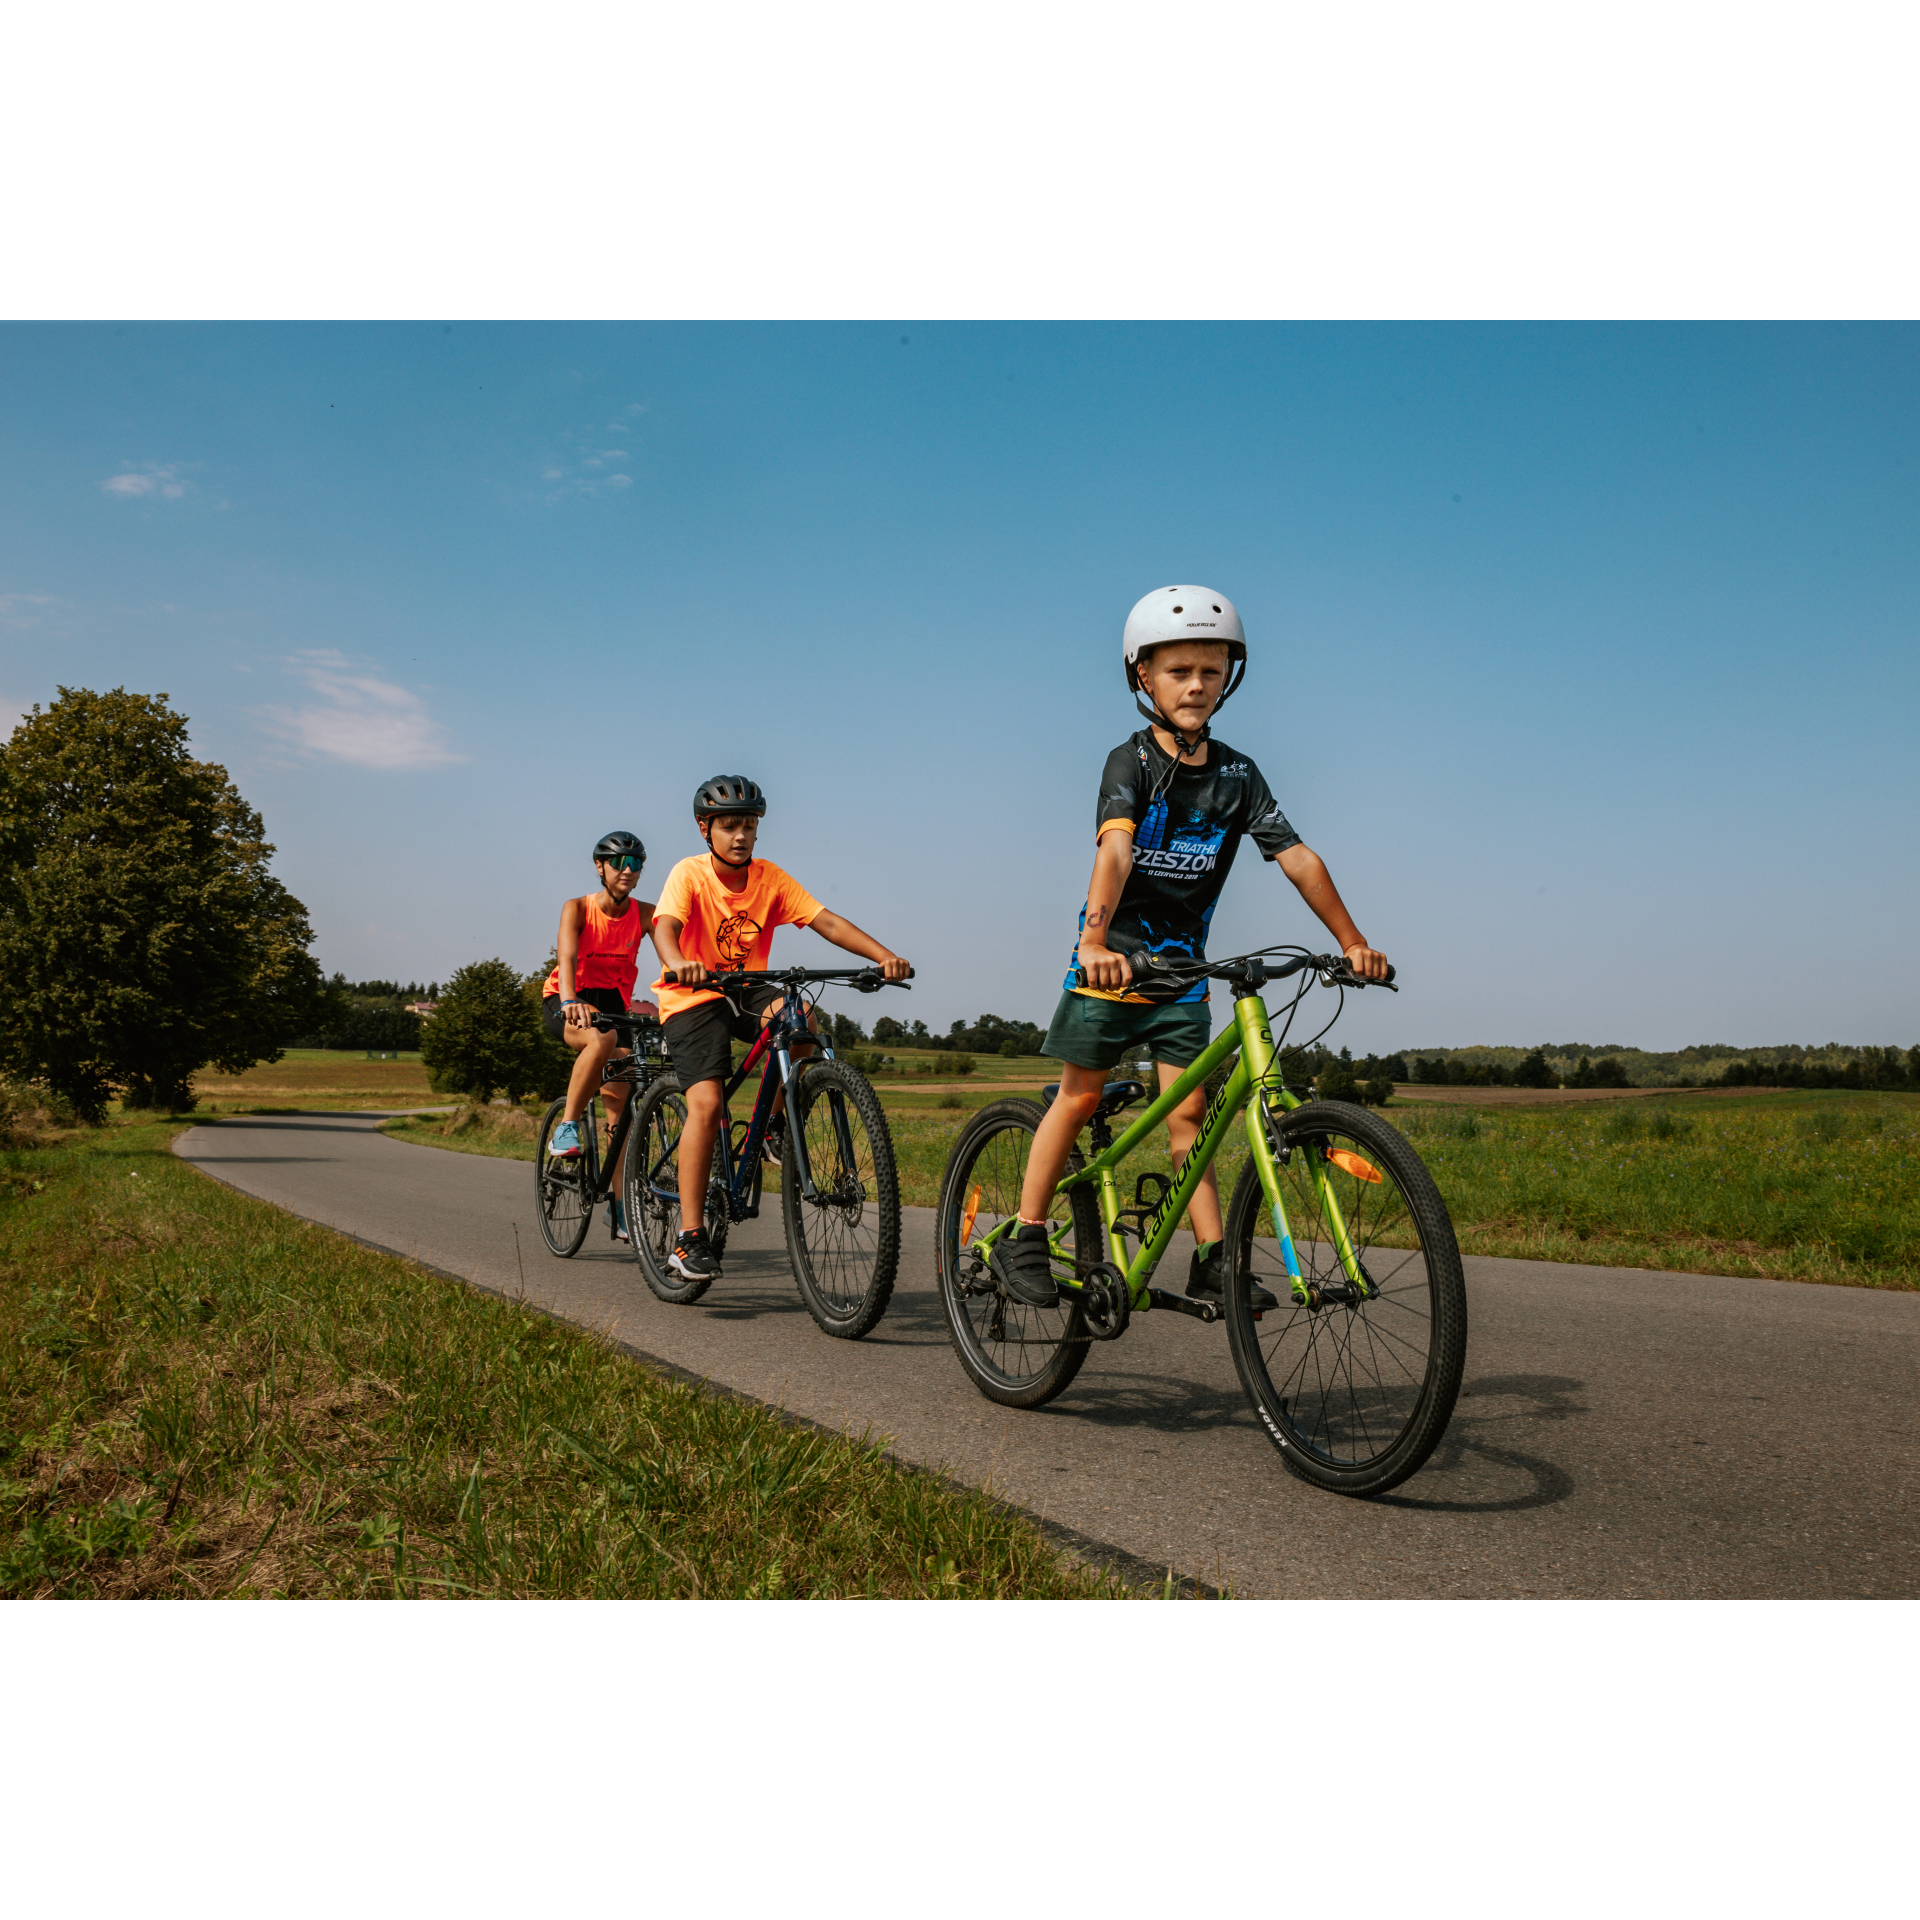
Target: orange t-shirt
[(725, 930), (609, 954)]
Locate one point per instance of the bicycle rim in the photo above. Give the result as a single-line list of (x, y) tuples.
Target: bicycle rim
[(1014, 1354), (560, 1192), (650, 1183), (1354, 1393), (844, 1243)]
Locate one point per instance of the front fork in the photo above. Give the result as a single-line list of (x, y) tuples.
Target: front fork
[(796, 1136), (1257, 1049)]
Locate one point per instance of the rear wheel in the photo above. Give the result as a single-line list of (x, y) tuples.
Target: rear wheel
[(845, 1241), (1017, 1355), (650, 1192), (561, 1188), (1354, 1389)]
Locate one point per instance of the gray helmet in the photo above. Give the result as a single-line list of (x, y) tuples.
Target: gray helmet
[(728, 793), (613, 845)]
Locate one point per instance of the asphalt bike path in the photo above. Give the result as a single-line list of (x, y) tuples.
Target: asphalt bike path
[(1620, 1434)]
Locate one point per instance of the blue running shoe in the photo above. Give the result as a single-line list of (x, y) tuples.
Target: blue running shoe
[(564, 1141), (619, 1221)]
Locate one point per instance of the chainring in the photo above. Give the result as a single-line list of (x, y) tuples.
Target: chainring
[(1106, 1307)]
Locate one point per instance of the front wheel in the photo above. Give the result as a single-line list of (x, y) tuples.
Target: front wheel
[(561, 1189), (845, 1241), (1017, 1355), (650, 1190), (1355, 1384)]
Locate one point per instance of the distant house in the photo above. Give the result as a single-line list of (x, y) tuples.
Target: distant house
[(426, 1009)]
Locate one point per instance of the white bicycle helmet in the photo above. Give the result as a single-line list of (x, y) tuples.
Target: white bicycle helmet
[(1182, 613)]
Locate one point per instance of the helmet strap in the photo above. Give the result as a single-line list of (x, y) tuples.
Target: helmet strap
[(706, 834), (1150, 711)]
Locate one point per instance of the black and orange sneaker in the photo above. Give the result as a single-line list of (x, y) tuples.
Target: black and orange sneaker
[(692, 1257)]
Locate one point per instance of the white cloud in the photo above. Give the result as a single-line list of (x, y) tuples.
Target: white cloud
[(359, 718), (139, 482), (614, 453), (621, 480), (19, 609)]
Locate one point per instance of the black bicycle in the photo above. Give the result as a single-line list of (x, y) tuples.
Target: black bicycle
[(570, 1189), (840, 1194)]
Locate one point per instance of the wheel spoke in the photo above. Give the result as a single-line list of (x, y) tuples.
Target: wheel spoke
[(1349, 1380)]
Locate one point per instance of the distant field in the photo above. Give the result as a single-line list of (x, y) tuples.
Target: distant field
[(1795, 1186), (307, 1077)]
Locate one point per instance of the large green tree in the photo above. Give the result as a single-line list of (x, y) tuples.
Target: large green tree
[(141, 934)]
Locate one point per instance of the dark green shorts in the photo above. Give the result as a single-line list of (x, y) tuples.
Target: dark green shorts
[(1098, 1034)]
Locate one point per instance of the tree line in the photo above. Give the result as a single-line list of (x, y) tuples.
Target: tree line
[(143, 937), (368, 1014)]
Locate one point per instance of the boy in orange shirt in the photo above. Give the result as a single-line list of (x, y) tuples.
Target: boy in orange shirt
[(716, 914)]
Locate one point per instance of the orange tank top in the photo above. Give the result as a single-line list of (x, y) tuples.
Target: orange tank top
[(609, 954)]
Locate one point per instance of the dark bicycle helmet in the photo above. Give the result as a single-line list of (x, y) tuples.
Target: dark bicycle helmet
[(613, 845), (728, 793)]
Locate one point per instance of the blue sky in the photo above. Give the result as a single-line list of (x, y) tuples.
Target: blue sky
[(1585, 654)]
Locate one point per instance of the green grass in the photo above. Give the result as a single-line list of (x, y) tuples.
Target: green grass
[(201, 1395), (504, 1133), (1796, 1186)]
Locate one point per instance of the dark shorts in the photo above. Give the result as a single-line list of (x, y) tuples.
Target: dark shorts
[(700, 1041), (601, 999), (1099, 1034)]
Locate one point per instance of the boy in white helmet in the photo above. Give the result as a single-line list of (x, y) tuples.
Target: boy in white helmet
[(1174, 806)]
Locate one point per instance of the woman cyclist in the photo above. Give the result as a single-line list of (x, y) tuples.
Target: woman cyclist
[(599, 962)]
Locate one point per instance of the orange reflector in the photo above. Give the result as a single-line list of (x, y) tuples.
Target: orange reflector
[(1353, 1164), (967, 1219)]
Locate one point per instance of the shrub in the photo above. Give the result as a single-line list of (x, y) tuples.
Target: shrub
[(487, 1036), (28, 1114), (1533, 1071), (1336, 1081), (960, 1063), (1377, 1091)]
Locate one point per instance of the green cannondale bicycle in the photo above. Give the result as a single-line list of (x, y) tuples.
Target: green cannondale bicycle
[(1355, 1373)]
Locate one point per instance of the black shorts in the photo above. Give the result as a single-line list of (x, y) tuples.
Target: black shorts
[(700, 1041), (600, 999)]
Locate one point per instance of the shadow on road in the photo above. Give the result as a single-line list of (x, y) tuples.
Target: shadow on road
[(1488, 1473), (1159, 1402)]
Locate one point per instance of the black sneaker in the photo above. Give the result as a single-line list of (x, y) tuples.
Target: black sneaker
[(1024, 1261), (692, 1258), (774, 1141), (1207, 1277)]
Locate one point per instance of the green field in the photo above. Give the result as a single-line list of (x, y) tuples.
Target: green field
[(203, 1395), (1795, 1186)]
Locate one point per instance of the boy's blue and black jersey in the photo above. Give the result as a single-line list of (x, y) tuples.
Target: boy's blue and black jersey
[(1186, 830)]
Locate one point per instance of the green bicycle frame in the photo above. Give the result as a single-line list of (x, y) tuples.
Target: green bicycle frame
[(1253, 1084)]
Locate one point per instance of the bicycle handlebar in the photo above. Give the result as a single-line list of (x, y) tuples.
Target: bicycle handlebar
[(1249, 967), (861, 979)]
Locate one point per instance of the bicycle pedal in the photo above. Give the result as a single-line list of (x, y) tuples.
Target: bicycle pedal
[(1203, 1310)]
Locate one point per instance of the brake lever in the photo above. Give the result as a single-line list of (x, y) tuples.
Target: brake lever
[(1344, 976)]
